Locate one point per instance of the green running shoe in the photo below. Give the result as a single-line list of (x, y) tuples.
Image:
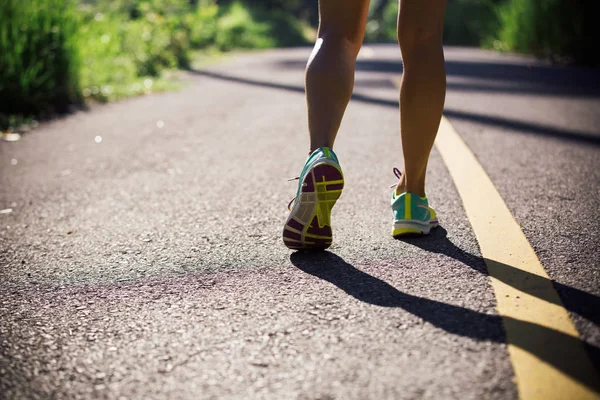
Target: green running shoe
[(412, 215), (308, 227)]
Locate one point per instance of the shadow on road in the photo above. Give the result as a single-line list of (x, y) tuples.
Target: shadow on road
[(585, 304), (525, 78), (454, 319), (519, 126)]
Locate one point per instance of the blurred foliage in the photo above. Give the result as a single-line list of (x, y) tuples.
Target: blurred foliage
[(470, 22), (56, 53), (381, 26), (303, 10), (467, 22), (560, 30), (143, 38), (39, 60), (237, 28)]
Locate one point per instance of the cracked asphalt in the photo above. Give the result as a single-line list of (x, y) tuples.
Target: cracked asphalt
[(150, 265)]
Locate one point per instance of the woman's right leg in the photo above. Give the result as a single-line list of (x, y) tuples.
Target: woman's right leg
[(422, 93)]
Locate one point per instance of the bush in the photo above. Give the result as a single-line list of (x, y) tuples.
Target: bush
[(202, 23), (284, 29), (556, 29), (153, 33), (106, 69), (467, 22), (470, 22), (383, 28), (236, 28), (58, 52), (241, 26), (40, 65)]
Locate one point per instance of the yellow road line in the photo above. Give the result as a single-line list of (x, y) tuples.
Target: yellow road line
[(549, 360)]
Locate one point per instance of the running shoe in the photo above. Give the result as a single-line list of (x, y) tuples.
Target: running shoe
[(308, 227), (412, 215)]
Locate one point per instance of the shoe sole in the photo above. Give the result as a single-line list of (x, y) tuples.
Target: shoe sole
[(409, 228), (308, 226)]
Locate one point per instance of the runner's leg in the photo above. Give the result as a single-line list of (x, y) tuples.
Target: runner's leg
[(330, 69), (423, 87)]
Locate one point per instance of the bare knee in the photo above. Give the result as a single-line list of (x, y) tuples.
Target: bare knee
[(420, 24), (346, 42), (413, 37), (342, 23)]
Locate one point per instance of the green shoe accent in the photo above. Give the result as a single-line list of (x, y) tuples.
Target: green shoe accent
[(412, 215), (321, 152), (321, 181)]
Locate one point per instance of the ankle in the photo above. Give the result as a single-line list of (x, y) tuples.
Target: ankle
[(414, 183), (400, 188), (418, 190), (320, 146)]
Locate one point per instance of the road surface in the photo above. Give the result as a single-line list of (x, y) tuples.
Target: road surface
[(142, 255)]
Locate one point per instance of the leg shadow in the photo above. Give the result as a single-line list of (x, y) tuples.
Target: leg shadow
[(585, 304), (453, 319)]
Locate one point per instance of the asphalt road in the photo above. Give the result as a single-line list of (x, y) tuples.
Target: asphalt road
[(150, 264)]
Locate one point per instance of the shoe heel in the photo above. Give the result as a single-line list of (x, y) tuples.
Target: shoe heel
[(329, 183), (408, 228), (325, 182)]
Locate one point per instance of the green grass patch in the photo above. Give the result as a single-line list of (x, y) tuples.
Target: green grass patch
[(56, 53), (559, 30), (39, 62), (470, 22)]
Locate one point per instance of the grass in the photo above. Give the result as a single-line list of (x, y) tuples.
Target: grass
[(470, 22), (39, 66), (61, 53), (560, 30)]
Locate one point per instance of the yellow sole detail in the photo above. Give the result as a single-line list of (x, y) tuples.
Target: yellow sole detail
[(406, 231)]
